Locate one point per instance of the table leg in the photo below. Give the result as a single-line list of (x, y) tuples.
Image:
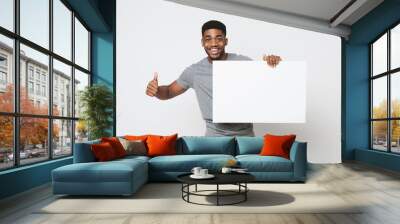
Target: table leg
[(188, 190), (245, 193), (217, 194)]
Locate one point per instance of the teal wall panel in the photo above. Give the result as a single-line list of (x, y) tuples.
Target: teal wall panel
[(356, 84), (24, 178)]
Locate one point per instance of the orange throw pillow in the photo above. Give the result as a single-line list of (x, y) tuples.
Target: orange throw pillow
[(135, 138), (161, 145), (116, 145), (277, 145), (103, 152)]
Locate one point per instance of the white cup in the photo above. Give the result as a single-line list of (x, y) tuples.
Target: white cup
[(203, 172), (196, 171), (226, 170)]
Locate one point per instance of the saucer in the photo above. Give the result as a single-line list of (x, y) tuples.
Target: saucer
[(208, 176)]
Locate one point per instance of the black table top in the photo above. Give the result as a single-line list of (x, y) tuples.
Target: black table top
[(220, 178)]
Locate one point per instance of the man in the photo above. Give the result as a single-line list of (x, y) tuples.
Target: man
[(199, 77)]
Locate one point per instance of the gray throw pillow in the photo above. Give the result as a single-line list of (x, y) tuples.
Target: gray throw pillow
[(137, 147)]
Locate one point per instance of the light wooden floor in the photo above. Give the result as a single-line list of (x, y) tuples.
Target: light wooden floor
[(378, 188)]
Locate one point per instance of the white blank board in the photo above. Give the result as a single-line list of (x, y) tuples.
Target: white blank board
[(253, 92)]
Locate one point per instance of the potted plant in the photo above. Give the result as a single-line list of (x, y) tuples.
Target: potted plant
[(96, 102)]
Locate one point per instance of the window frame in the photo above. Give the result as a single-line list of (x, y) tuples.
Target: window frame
[(15, 72), (388, 74)]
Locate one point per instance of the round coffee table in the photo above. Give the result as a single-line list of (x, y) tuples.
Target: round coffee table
[(238, 179)]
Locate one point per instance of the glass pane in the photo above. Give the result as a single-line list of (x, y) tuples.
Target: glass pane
[(379, 135), (6, 74), (395, 136), (35, 21), (33, 139), (81, 81), (379, 99), (62, 89), (7, 14), (81, 45), (395, 94), (62, 138), (34, 97), (379, 55), (81, 131), (395, 47), (6, 142), (62, 29)]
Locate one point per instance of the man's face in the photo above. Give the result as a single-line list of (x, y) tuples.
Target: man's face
[(214, 42)]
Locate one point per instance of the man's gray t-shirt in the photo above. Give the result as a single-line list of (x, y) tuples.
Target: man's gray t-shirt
[(199, 77)]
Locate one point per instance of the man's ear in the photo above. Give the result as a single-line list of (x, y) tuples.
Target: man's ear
[(226, 41)]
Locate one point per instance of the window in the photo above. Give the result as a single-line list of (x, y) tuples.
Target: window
[(6, 72), (81, 81), (30, 87), (62, 75), (45, 131), (37, 75), (30, 72), (81, 45), (34, 21), (62, 29), (7, 14), (3, 61), (3, 78), (43, 77), (38, 89), (6, 142), (62, 137), (385, 91), (44, 91)]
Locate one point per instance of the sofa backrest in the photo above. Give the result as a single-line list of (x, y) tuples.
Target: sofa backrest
[(249, 145), (193, 145)]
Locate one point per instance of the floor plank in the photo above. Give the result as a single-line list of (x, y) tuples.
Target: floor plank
[(376, 189)]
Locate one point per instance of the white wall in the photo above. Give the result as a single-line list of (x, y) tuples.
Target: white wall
[(162, 36)]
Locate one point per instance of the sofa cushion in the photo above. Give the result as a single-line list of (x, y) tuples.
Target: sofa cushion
[(135, 147), (111, 171), (161, 145), (185, 163), (103, 152), (193, 145), (249, 145), (257, 163), (277, 145), (116, 145)]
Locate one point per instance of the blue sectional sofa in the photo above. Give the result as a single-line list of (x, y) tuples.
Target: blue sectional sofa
[(125, 176)]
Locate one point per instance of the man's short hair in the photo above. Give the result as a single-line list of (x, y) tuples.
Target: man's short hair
[(213, 24)]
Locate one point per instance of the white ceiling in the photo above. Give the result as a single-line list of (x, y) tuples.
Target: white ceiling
[(315, 15), (320, 9)]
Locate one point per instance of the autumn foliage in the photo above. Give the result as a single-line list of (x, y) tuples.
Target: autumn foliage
[(380, 127), (33, 131)]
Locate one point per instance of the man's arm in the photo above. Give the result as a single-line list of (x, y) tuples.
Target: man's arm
[(163, 92)]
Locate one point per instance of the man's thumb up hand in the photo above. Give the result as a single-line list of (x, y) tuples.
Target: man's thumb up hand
[(152, 86)]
